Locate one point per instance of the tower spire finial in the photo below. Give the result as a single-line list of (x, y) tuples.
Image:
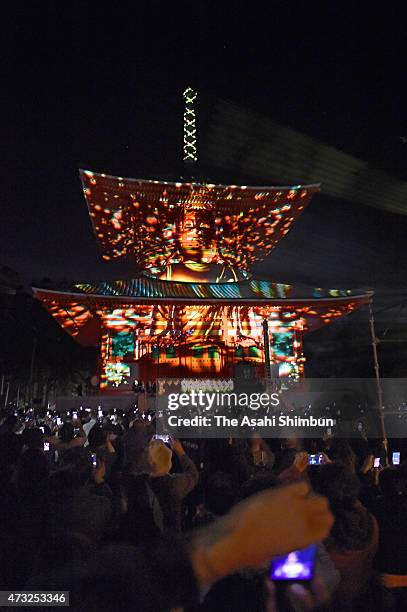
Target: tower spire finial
[(190, 148)]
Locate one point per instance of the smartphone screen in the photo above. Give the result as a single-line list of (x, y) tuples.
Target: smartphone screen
[(164, 438), (94, 459), (59, 422), (376, 462), (100, 414), (42, 429), (315, 459), (297, 565), (46, 446), (396, 458), (74, 415)]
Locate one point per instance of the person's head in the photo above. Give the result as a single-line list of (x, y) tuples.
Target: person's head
[(41, 412), (67, 432), (47, 429), (10, 448), (292, 442), (94, 413), (341, 451), (391, 483), (97, 437), (74, 470), (136, 460), (32, 437), (255, 444), (353, 527), (112, 430), (219, 493), (117, 430), (159, 458), (32, 470), (284, 459), (139, 425), (60, 546), (336, 481), (98, 581), (260, 482), (10, 424)]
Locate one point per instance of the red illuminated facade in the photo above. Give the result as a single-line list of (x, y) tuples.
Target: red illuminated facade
[(194, 309)]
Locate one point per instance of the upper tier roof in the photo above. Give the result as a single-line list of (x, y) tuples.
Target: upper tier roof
[(160, 223)]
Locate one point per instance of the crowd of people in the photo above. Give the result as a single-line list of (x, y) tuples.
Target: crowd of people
[(98, 505)]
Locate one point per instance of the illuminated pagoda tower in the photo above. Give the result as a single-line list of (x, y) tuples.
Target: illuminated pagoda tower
[(194, 310)]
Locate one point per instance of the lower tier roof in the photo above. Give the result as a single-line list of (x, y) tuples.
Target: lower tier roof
[(145, 289), (81, 309)]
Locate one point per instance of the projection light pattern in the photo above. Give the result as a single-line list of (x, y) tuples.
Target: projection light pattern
[(159, 224)]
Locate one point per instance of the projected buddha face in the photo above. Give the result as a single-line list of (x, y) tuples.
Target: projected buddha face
[(196, 242)]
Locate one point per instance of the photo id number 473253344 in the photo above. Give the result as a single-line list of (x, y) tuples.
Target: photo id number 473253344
[(34, 598)]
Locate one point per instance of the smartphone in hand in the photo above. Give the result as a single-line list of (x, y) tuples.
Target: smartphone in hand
[(396, 458), (315, 459), (297, 566), (163, 438)]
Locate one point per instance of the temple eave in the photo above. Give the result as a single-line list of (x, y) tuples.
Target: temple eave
[(121, 301)]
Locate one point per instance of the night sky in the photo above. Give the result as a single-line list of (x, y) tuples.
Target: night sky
[(101, 89)]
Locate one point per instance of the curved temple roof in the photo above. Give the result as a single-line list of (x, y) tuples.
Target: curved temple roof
[(79, 310), (159, 223), (145, 289)]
